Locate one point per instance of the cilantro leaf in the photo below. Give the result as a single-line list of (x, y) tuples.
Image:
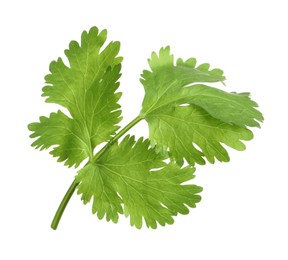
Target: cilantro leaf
[(182, 113), (165, 83), (87, 89), (180, 127), (124, 176), (61, 130)]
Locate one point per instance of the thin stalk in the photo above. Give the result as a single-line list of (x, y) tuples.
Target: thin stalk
[(63, 205), (74, 184)]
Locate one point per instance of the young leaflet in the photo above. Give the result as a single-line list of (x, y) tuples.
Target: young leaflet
[(187, 119)]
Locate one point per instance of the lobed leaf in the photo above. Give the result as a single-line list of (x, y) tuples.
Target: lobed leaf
[(192, 134), (127, 179), (88, 90), (189, 120), (68, 135)]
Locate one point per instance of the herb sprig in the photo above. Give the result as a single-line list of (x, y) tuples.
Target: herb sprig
[(188, 121)]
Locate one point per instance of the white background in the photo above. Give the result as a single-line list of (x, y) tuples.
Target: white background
[(243, 212)]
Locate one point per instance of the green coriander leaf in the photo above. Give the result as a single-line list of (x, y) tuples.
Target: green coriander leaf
[(165, 82), (183, 114), (70, 137), (234, 108), (127, 179), (180, 128), (87, 89)]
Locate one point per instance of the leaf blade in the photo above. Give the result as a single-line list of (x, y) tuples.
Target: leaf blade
[(88, 89), (173, 90), (181, 128), (125, 171), (66, 134)]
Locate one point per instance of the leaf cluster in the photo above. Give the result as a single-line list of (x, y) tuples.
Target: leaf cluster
[(189, 123)]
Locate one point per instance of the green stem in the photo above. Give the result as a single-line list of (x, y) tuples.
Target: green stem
[(63, 205), (74, 184)]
